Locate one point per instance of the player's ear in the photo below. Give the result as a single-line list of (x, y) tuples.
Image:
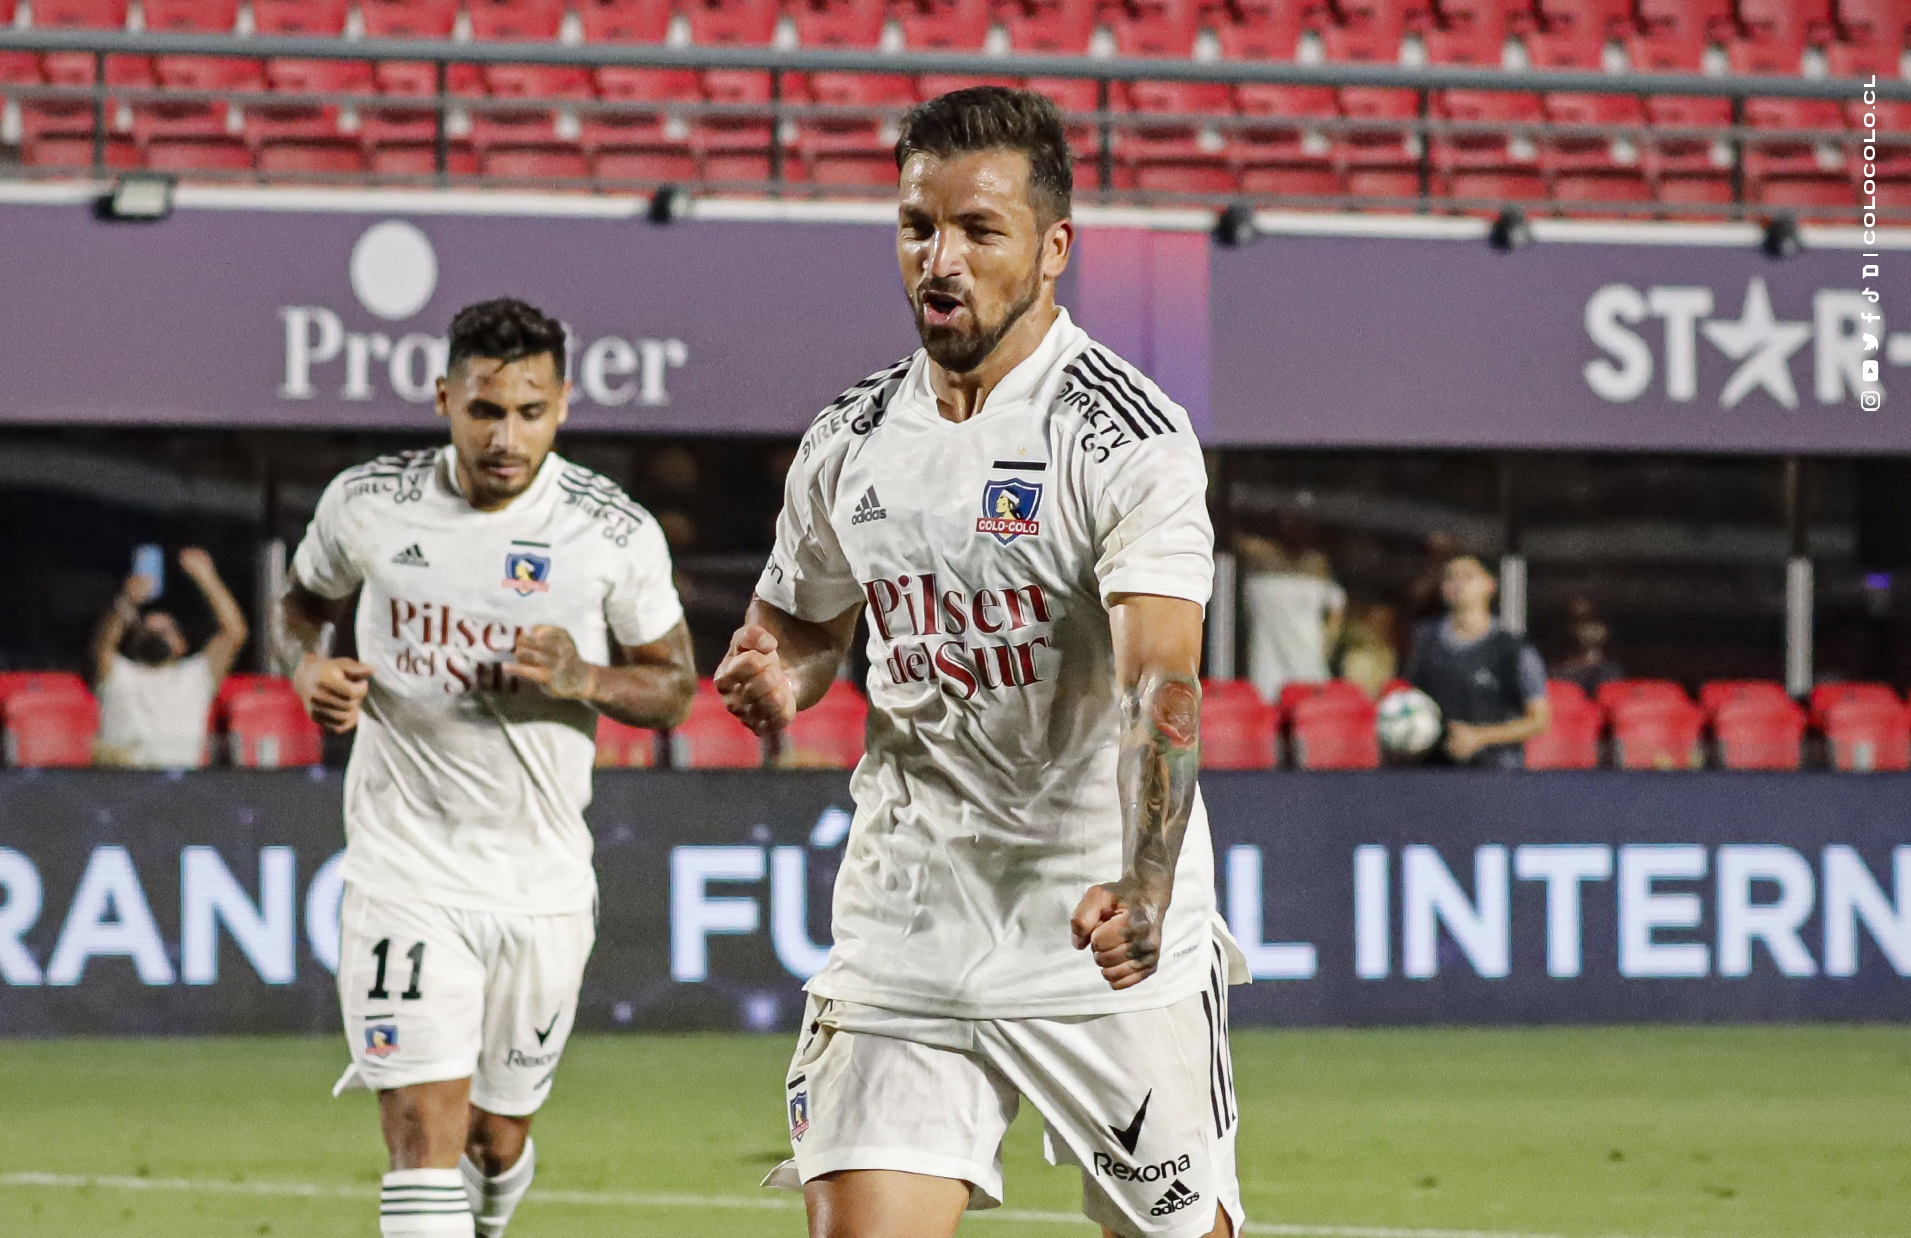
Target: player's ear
[(564, 403), (441, 402), (1058, 242)]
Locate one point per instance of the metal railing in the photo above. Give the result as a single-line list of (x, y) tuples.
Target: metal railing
[(785, 113)]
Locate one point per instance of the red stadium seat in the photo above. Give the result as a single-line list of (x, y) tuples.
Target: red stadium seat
[(1691, 19), (1719, 693), (949, 25), (854, 90), (80, 14), (542, 163), (1759, 732), (635, 86), (269, 730), (526, 21), (1654, 732), (1622, 691), (1826, 695), (838, 23), (20, 69), (712, 738), (316, 18), (829, 734), (1399, 182), (1292, 694), (408, 19), (50, 729), (414, 159), (1590, 19), (1335, 731), (1238, 729), (76, 151), (1054, 27), (1474, 149), (625, 21), (189, 154), (1290, 142), (1791, 22), (932, 85), (1825, 196), (190, 16), (413, 80), (325, 157), (870, 168), (1213, 177), (1272, 33), (504, 127), (60, 682), (1572, 740), (1156, 27), (1619, 185), (1868, 733), (624, 747), (655, 165), (1878, 22), (269, 119), (1694, 193), (1491, 20), (1495, 187), (1145, 139), (751, 22), (1291, 180), (195, 118)]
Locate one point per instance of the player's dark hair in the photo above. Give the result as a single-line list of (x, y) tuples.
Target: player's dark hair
[(983, 118), (504, 330)]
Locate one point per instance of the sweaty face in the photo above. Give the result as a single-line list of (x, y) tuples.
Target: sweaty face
[(504, 417), (1466, 583), (972, 252)]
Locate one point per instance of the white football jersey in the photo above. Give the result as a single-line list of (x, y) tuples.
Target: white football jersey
[(467, 788), (985, 552)]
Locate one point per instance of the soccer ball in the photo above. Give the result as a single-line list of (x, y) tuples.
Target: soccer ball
[(1409, 722)]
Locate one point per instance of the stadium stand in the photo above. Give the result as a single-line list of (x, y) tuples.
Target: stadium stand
[(1334, 730), (1655, 731), (711, 739), (1474, 149), (1572, 741), (1759, 731), (829, 734), (1238, 729), (624, 747)]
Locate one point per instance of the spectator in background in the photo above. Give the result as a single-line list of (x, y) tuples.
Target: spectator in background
[(1490, 685), (1423, 595), (1588, 666), (155, 695), (1294, 611), (1369, 648)]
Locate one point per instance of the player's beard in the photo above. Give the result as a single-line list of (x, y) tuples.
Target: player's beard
[(960, 351)]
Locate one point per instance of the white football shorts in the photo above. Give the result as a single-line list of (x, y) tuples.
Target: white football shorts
[(1142, 1102), (431, 993)]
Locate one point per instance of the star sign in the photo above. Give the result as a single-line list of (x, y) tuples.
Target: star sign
[(1762, 346)]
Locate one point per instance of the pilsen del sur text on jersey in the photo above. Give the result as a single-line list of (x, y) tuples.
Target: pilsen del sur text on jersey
[(461, 643), (914, 607)]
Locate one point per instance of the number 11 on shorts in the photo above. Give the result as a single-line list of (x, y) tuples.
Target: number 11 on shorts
[(416, 954)]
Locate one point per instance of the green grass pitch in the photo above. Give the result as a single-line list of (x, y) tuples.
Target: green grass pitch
[(1651, 1133)]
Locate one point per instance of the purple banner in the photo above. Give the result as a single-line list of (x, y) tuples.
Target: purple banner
[(322, 319), (1443, 343)]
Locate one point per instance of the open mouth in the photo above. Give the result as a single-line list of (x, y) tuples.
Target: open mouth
[(941, 309)]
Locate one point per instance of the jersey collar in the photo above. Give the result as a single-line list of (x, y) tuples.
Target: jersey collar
[(1019, 384), (448, 478)]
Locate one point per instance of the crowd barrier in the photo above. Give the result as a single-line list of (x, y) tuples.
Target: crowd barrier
[(207, 903)]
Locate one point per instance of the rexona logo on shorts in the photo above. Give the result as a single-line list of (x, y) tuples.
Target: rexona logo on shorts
[(1107, 1166), (1177, 1197)]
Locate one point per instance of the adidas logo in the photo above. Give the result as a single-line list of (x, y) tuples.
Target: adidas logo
[(411, 556), (869, 508), (1178, 1196)]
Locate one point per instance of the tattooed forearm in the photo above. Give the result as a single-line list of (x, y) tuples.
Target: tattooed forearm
[(1160, 757)]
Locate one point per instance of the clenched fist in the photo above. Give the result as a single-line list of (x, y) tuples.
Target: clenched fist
[(753, 683), (332, 690), (548, 657)]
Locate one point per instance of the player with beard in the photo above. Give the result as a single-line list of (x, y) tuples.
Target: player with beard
[(1026, 906), (506, 598)]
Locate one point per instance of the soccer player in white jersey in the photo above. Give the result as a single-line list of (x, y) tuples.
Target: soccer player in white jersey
[(506, 597), (1026, 907)]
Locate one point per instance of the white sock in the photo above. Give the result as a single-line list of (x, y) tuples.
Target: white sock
[(427, 1202), (493, 1200)]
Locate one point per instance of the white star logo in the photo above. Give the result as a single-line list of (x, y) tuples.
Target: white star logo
[(1762, 345)]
